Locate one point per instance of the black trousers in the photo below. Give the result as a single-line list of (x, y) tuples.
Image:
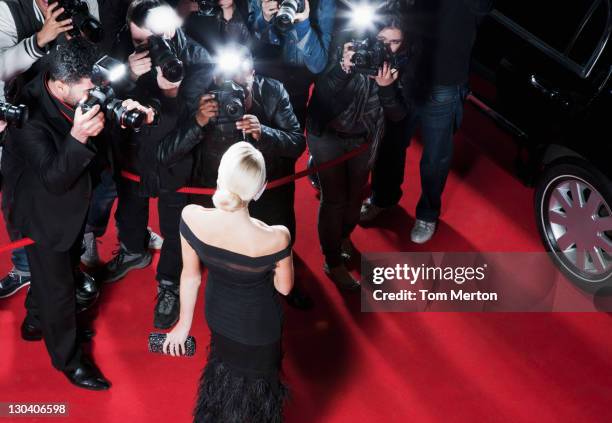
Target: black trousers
[(132, 217), (51, 301)]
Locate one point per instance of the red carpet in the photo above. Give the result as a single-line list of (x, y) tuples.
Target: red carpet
[(345, 366)]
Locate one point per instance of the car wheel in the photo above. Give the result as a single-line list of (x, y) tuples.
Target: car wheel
[(573, 203)]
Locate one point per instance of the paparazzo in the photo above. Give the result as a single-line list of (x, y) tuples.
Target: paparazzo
[(263, 116), (170, 71), (353, 103), (214, 23), (49, 167)]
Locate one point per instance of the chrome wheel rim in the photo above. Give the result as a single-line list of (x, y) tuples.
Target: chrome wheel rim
[(578, 224)]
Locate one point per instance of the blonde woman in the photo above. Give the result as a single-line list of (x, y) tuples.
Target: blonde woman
[(248, 263)]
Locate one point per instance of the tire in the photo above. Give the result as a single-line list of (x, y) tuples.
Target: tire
[(578, 235)]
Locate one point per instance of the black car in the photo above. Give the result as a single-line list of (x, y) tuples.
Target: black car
[(550, 69)]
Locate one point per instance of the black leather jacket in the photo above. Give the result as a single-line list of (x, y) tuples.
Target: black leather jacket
[(282, 141), (177, 122)]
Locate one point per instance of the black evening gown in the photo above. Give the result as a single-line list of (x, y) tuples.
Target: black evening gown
[(240, 382)]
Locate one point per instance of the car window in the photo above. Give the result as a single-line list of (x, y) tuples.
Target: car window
[(552, 21), (587, 40)]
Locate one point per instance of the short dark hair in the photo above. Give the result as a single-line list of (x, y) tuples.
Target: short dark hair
[(139, 9), (72, 61)]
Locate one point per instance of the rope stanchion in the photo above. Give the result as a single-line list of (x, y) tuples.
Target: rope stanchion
[(210, 191)]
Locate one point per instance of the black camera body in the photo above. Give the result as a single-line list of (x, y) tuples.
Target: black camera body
[(370, 54), (13, 115), (82, 21), (285, 17), (231, 99), (163, 55), (104, 96), (208, 7)]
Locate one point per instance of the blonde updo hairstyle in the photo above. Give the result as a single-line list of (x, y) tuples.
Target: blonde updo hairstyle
[(241, 176)]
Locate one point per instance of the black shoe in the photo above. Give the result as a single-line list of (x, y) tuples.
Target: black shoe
[(297, 299), (13, 282), (87, 291), (123, 262), (30, 332), (87, 376), (167, 308)]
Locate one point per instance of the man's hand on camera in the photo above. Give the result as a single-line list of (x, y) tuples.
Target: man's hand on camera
[(209, 109), (170, 89), (2, 125), (386, 75), (88, 124), (269, 9), (250, 125), (130, 104), (300, 17), (52, 27), (347, 55), (140, 63)]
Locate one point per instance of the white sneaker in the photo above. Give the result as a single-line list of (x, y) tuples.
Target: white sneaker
[(422, 231), (369, 211), (155, 240), (90, 256)]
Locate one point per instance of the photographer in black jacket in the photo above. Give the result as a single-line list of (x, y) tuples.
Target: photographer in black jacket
[(49, 167), (214, 23), (349, 108), (268, 122), (176, 103)]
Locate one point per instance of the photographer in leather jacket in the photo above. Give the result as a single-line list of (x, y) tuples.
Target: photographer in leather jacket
[(349, 109), (176, 103)]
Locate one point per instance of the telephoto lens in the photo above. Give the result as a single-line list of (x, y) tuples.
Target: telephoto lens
[(162, 55), (286, 13), (112, 108), (82, 21), (13, 115)]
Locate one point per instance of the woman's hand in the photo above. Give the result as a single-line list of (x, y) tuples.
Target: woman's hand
[(347, 56), (386, 76), (175, 341)]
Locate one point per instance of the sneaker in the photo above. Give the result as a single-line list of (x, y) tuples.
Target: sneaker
[(155, 240), (346, 249), (87, 291), (90, 257), (369, 211), (123, 262), (342, 277), (422, 231), (13, 282), (166, 312)]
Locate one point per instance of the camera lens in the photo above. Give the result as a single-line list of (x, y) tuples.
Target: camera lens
[(132, 119), (93, 31), (286, 14), (13, 114), (173, 70)]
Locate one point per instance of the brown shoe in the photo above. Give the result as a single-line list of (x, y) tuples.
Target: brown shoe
[(342, 278)]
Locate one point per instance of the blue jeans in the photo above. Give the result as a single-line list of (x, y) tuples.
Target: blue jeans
[(439, 116)]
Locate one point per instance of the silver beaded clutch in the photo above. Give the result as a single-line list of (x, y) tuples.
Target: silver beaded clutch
[(156, 343)]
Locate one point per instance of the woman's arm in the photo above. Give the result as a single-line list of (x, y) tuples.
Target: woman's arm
[(191, 277), (283, 275)]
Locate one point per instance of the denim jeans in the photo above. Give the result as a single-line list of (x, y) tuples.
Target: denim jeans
[(102, 200), (438, 117), (341, 190)]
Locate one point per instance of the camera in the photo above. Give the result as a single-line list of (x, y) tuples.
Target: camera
[(11, 114), (208, 7), (285, 17), (230, 97), (105, 71), (370, 55), (82, 21), (162, 54)]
